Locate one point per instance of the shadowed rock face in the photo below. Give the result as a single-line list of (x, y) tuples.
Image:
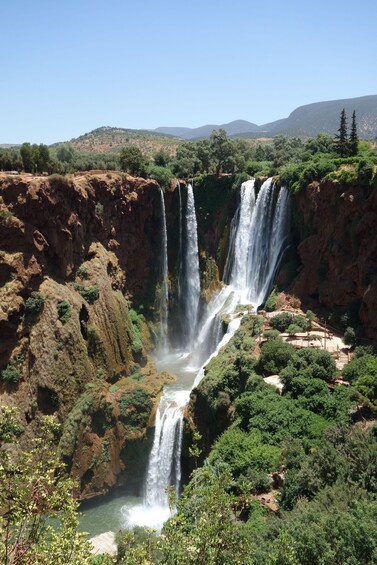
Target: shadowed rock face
[(338, 249), (87, 244)]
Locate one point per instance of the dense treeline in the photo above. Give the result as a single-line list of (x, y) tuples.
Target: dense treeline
[(297, 162)]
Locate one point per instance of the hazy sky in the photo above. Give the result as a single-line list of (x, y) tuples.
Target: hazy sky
[(70, 66)]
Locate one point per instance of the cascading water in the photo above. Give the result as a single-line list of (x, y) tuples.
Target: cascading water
[(189, 273), (258, 237), (164, 298)]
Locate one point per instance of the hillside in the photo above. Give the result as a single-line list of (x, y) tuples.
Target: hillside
[(107, 139), (304, 121), (324, 116)]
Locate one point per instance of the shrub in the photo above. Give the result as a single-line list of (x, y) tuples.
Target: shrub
[(137, 342), (99, 209), (365, 171), (243, 451), (270, 304), (82, 272), (64, 311), (310, 363), (135, 408), (282, 321), (275, 356), (160, 174), (90, 293), (11, 374), (34, 304)]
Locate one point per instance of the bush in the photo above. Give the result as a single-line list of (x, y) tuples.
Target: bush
[(160, 174), (135, 408), (82, 272), (64, 311), (137, 342), (11, 374), (278, 418), (270, 304), (34, 304), (243, 451), (310, 363), (99, 209), (275, 356), (282, 321), (90, 293)]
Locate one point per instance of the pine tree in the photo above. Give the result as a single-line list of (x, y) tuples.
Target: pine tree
[(354, 140), (341, 144)]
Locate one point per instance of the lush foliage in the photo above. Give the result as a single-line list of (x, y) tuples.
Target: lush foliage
[(38, 518)]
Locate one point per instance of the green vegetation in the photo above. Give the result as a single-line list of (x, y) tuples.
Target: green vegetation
[(38, 518), (34, 305), (132, 160), (11, 374), (328, 496), (137, 342), (135, 408), (89, 293), (283, 320), (64, 311)]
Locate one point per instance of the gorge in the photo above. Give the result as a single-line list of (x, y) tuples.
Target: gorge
[(103, 241)]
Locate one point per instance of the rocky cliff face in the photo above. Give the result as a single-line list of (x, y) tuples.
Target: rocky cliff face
[(336, 228), (73, 251)]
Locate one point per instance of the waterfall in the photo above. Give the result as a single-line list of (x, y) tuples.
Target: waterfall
[(258, 241), (258, 237), (179, 293), (164, 297), (164, 467), (189, 272)]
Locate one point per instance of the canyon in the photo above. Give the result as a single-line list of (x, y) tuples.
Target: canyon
[(93, 241)]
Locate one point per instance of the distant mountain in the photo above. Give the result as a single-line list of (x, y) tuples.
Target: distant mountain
[(305, 121), (232, 128), (324, 116)]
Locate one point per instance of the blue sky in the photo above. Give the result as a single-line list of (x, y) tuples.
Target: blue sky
[(69, 67)]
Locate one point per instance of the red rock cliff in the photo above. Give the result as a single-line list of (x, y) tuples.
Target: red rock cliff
[(338, 248), (65, 237)]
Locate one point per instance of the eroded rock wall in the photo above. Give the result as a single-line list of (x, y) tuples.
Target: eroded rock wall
[(87, 245), (336, 229)]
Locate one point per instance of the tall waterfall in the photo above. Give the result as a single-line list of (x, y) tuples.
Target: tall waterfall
[(189, 272), (164, 297), (258, 237)]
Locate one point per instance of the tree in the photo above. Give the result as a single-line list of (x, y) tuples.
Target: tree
[(341, 143), (354, 140), (38, 518), (222, 150), (161, 158), (132, 160), (65, 153), (27, 157)]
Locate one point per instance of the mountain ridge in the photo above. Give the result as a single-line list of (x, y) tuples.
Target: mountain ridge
[(305, 121)]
